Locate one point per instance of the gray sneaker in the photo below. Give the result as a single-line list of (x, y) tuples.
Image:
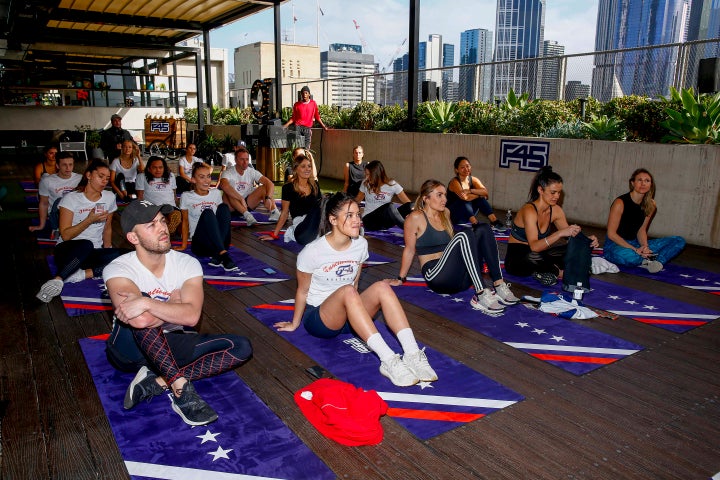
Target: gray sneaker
[(50, 290), (486, 302), (191, 408), (249, 219), (652, 266), (418, 363), (398, 372), (504, 295), (143, 387)]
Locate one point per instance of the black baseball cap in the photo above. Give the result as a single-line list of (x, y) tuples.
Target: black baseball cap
[(141, 211)]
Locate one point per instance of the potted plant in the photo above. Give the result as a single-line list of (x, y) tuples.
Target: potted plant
[(92, 141)]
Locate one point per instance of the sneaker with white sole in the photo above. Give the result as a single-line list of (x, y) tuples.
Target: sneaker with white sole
[(652, 266), (418, 363), (77, 276), (191, 408), (504, 295), (274, 215), (249, 219), (215, 261), (486, 302), (143, 387), (227, 263), (50, 290), (398, 372)]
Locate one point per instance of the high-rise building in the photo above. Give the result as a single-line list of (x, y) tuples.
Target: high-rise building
[(637, 23), (704, 24), (448, 91), (475, 47), (552, 74), (576, 89), (519, 34), (348, 65)]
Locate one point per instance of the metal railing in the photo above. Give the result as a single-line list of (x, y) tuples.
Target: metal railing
[(648, 71)]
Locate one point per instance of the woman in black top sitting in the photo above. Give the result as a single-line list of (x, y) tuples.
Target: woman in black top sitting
[(467, 196), (300, 201), (452, 262), (533, 249)]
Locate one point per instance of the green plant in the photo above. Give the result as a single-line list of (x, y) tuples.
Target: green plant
[(513, 102), (208, 146), (698, 121), (191, 115), (391, 117), (93, 139), (436, 116), (604, 128), (571, 129), (363, 115), (228, 142), (285, 159), (286, 113)]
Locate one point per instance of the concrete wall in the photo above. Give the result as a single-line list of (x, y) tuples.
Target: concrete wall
[(594, 173)]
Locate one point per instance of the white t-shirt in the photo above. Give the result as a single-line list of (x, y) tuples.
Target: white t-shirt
[(157, 191), (129, 173), (54, 187), (186, 166), (179, 267), (330, 268), (229, 160), (244, 184), (81, 207), (375, 200), (195, 204)]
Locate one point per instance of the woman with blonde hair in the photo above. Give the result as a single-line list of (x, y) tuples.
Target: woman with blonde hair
[(124, 171)]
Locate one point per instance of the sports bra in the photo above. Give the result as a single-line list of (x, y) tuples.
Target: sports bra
[(518, 233), (432, 240)]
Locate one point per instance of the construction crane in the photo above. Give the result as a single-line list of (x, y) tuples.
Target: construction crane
[(394, 56), (362, 38)]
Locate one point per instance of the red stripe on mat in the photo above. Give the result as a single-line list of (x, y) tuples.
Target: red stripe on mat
[(573, 358), (268, 306), (230, 282), (670, 321), (433, 415), (84, 306)]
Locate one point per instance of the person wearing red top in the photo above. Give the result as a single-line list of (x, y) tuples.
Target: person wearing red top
[(304, 113)]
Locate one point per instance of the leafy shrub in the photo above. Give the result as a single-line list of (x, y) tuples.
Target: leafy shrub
[(436, 116), (604, 128), (392, 118), (698, 121), (474, 117), (191, 115), (363, 115), (539, 115), (571, 129)]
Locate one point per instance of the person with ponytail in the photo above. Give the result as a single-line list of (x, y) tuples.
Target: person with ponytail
[(328, 303), (378, 191), (452, 262), (300, 201), (536, 246), (468, 197), (630, 215)]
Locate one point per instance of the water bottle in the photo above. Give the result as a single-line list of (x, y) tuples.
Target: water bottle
[(508, 219), (578, 292)]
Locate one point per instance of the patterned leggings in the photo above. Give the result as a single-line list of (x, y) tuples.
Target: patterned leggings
[(175, 354)]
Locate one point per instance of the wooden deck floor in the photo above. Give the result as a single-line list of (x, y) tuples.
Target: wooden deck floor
[(653, 415)]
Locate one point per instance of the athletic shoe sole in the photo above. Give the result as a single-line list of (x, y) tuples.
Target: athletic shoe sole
[(50, 290)]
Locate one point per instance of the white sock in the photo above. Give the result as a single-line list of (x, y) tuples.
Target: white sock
[(378, 345), (406, 337), (77, 276)]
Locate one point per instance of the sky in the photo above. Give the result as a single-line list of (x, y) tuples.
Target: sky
[(384, 24)]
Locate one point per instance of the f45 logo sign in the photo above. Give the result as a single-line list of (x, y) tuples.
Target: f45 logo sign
[(160, 127), (531, 156)]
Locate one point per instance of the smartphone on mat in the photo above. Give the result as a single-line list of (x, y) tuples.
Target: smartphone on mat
[(269, 271)]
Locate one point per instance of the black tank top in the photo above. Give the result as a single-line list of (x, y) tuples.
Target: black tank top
[(432, 240), (518, 233), (632, 218)]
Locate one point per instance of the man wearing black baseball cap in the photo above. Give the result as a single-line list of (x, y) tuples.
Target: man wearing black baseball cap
[(157, 293)]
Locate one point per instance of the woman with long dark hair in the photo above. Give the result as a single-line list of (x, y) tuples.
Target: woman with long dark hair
[(467, 196), (378, 191), (85, 223), (534, 246), (328, 303), (452, 262), (630, 215)]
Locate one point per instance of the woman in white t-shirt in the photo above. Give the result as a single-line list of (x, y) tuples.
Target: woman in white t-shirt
[(328, 302), (206, 219), (185, 164), (85, 243), (378, 191), (124, 171), (157, 185)]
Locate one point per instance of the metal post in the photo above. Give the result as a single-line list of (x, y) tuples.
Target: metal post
[(583, 101), (208, 74), (277, 84), (200, 106), (413, 47)]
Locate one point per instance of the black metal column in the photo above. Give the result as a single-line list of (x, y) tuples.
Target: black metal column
[(413, 47), (277, 84)]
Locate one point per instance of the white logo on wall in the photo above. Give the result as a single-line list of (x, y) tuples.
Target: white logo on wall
[(529, 155), (161, 127)]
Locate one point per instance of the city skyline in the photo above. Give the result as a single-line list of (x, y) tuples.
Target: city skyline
[(384, 27)]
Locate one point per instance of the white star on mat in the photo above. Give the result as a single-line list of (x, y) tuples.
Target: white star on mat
[(701, 279), (220, 453), (613, 297), (631, 302), (424, 385), (240, 274), (444, 294), (558, 339), (685, 275), (539, 331), (457, 300), (649, 307), (522, 324), (208, 437)]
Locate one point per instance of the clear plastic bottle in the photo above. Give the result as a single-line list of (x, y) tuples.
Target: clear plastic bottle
[(578, 292), (508, 219)]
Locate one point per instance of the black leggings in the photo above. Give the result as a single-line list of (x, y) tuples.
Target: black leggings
[(307, 230), (75, 254), (175, 354), (120, 182), (522, 261), (212, 233), (387, 216), (461, 264)]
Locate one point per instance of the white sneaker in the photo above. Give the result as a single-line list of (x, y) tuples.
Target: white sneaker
[(249, 219), (504, 295), (274, 215), (652, 266), (77, 276), (486, 302), (398, 373), (50, 290), (418, 363)]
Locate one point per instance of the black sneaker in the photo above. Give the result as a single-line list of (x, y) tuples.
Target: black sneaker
[(545, 278), (191, 408), (143, 387), (215, 262), (227, 263)]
